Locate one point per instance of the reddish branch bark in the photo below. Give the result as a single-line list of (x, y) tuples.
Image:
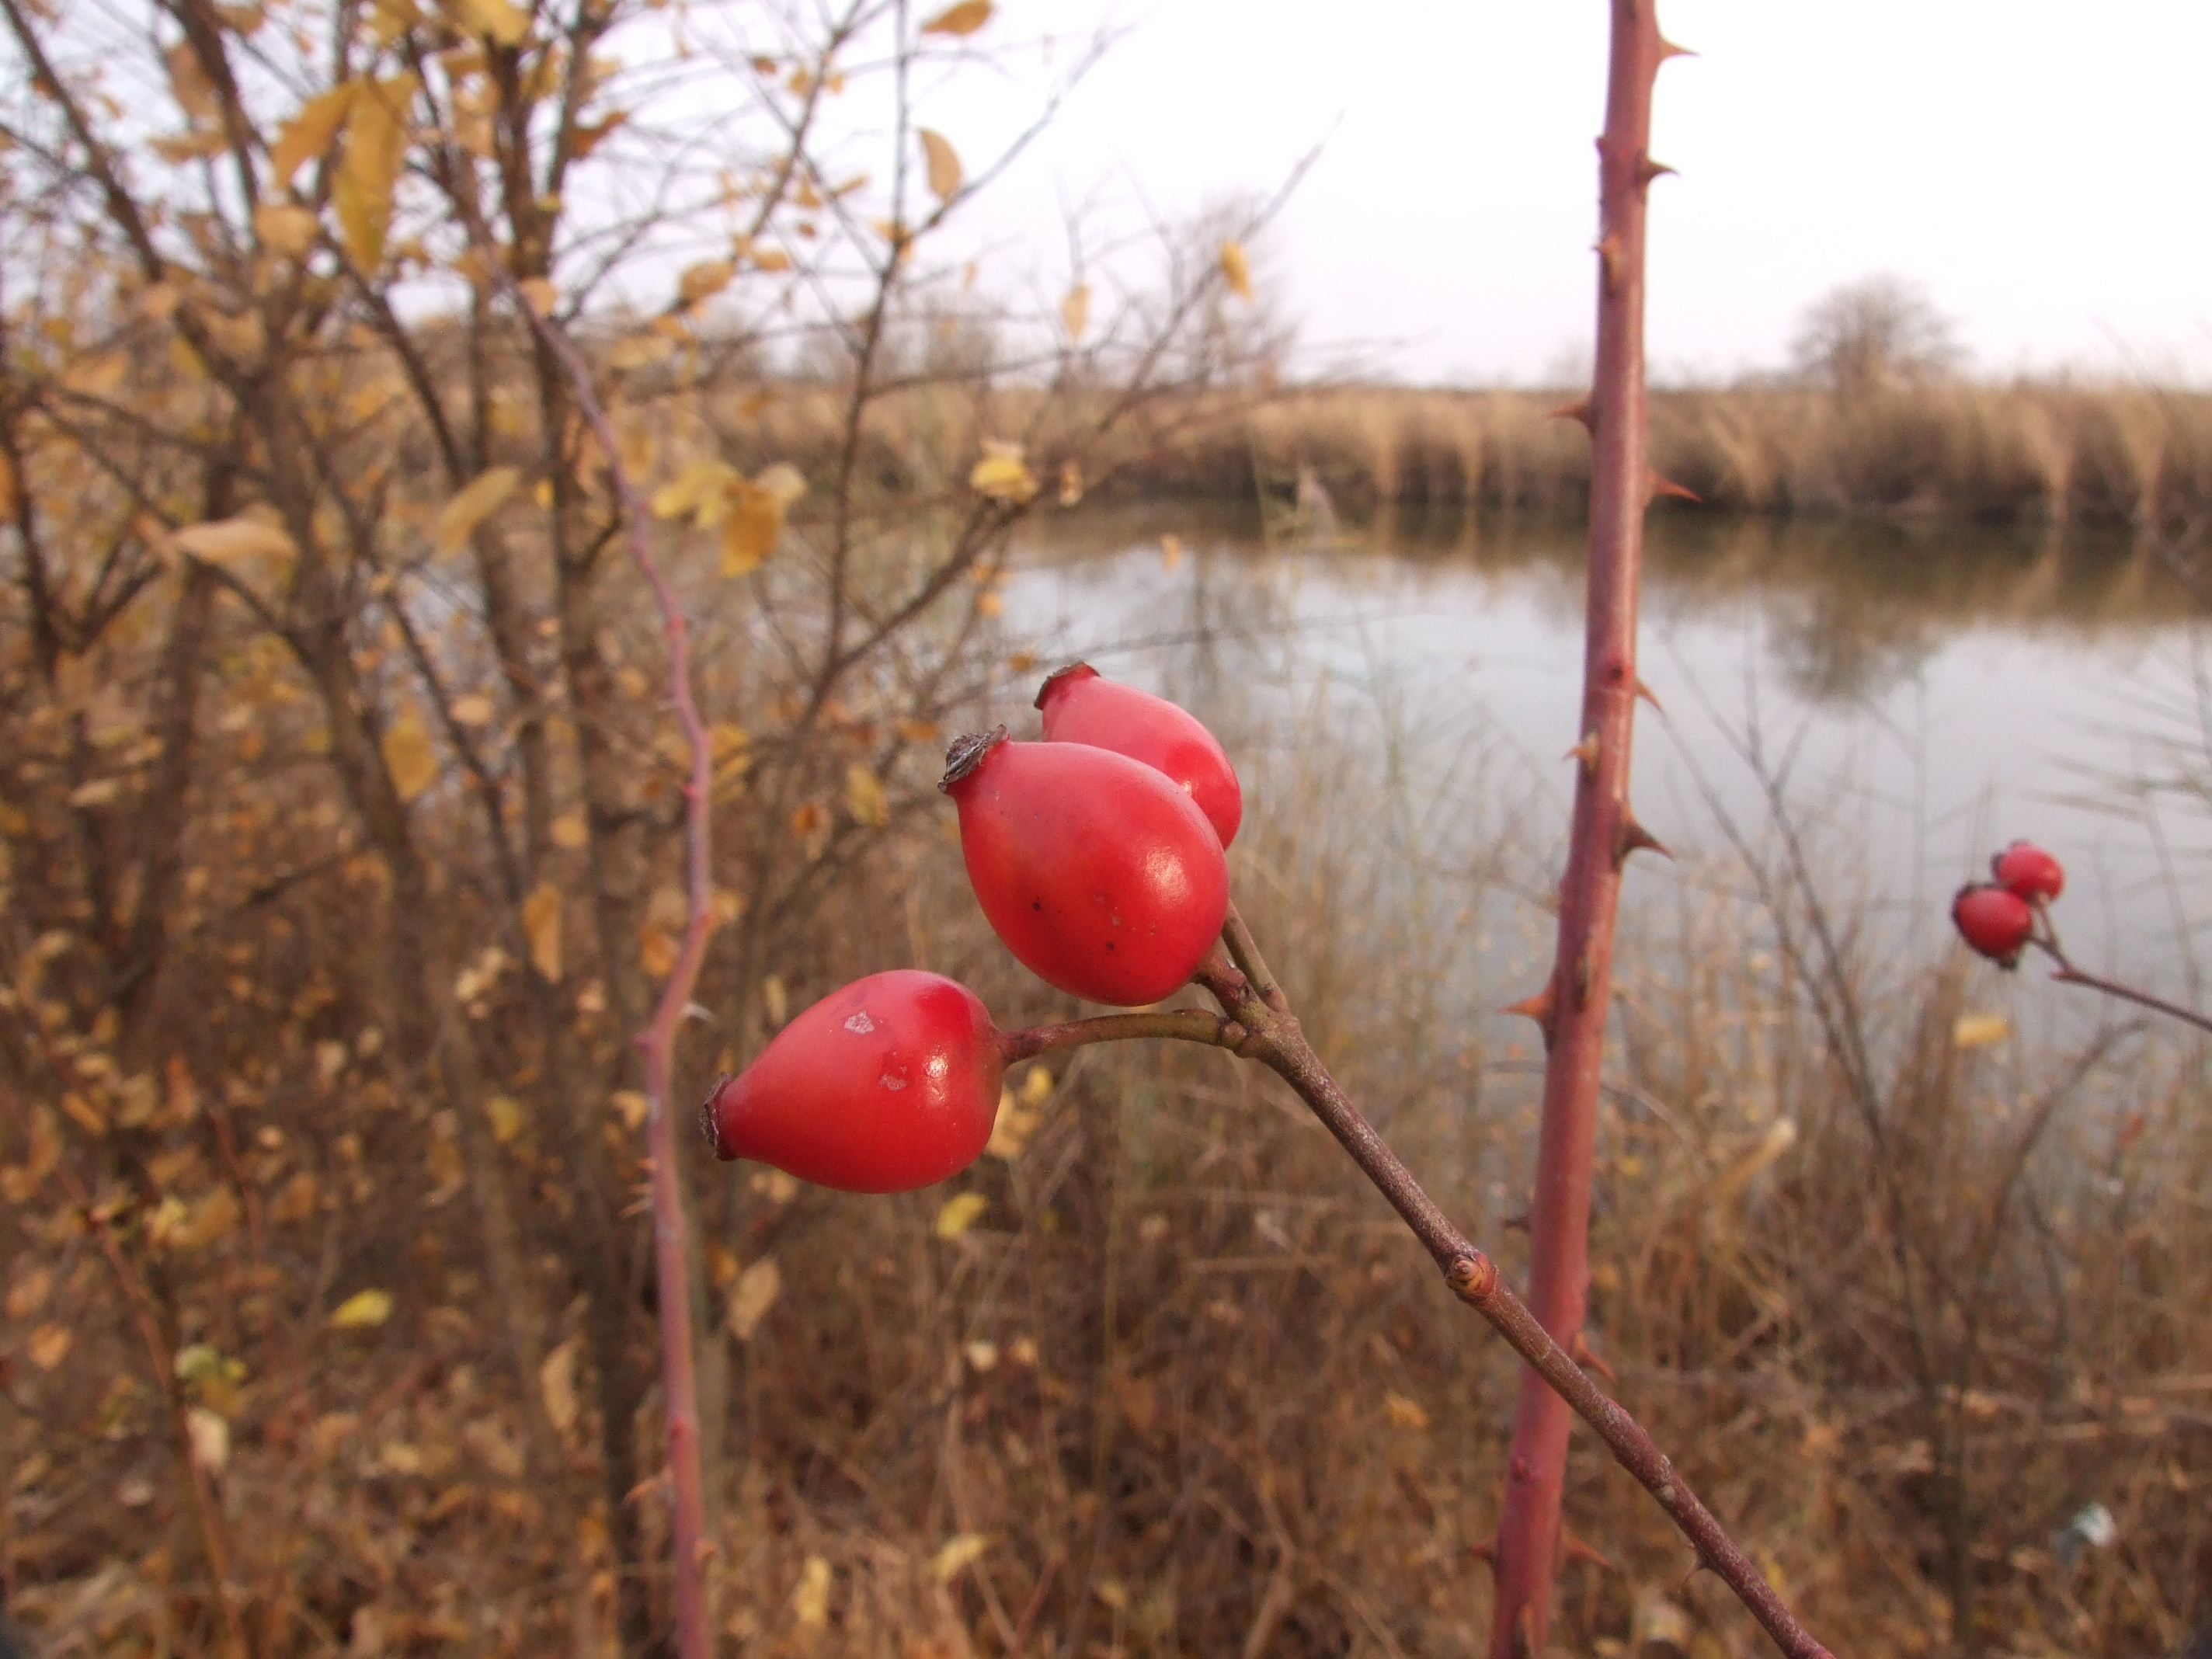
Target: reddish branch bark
[(1572, 1007), (671, 1257)]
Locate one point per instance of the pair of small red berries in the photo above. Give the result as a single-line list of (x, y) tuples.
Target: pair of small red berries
[(1098, 856), (1998, 917)]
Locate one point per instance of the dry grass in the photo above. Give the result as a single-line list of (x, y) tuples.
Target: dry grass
[(1185, 1376)]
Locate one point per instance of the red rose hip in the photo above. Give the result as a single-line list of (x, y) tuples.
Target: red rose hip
[(1098, 873), (2026, 869), (1082, 706), (1993, 920), (887, 1085)]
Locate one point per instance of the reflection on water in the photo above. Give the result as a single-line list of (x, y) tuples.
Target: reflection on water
[(1929, 689)]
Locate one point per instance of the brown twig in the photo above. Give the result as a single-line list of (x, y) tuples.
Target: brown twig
[(1189, 1025), (1259, 1026), (2046, 940), (672, 1265), (1271, 1035)]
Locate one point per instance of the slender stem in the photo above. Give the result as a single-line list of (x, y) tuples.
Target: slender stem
[(1275, 1040), (1575, 1006), (1189, 1025), (2067, 974), (671, 1248)]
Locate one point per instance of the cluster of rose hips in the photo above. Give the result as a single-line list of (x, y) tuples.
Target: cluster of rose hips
[(1998, 917), (1097, 856)]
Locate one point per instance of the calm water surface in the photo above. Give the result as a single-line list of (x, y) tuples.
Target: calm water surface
[(1926, 691)]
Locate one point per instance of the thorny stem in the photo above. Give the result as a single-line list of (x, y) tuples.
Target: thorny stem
[(2047, 941), (1261, 1026), (1574, 1007), (672, 1265)]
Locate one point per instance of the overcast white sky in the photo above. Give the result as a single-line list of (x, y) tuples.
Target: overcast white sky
[(2045, 169)]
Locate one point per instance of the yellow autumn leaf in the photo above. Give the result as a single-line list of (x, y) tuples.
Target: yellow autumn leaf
[(285, 228), (226, 542), (1980, 1030), (1037, 1087), (474, 709), (506, 22), (1075, 311), (477, 501), (209, 1436), (362, 1311), (964, 18), (196, 94), (368, 173), (697, 492), (959, 1214), (556, 1382), (1405, 1412), (49, 1345), (944, 164), (569, 831), (756, 512), (704, 280), (506, 1115), (945, 1564), (538, 293), (1000, 476), (864, 798), (810, 1602), (1237, 269), (640, 351), (311, 134), (782, 481), (755, 1293), (409, 757), (541, 925)]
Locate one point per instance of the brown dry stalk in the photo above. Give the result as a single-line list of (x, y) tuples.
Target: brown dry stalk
[(1573, 1007), (1256, 1023)]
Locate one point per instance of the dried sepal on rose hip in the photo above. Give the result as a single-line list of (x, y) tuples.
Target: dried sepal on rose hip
[(2026, 869), (1099, 873), (1080, 705), (889, 1085), (1993, 921)]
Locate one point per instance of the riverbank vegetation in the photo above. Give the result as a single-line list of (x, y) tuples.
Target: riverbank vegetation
[(341, 852)]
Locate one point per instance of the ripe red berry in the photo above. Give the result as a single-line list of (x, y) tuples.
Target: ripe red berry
[(1080, 705), (1099, 873), (1995, 921), (886, 1086), (2030, 871)]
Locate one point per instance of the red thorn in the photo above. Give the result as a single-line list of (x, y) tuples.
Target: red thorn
[(1633, 837), (1485, 1549), (1647, 170), (1668, 49), (1588, 1358), (1526, 1641), (1572, 1549), (1585, 751), (1649, 694), (1537, 1007), (1668, 487), (1580, 412)]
